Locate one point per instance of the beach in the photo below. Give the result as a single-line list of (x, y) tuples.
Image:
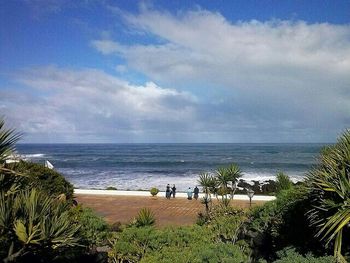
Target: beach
[(123, 206)]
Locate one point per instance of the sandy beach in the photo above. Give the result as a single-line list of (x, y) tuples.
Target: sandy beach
[(123, 206)]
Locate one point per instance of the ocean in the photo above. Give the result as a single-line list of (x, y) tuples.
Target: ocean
[(142, 166)]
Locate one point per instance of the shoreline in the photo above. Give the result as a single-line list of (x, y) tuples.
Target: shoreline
[(161, 194)]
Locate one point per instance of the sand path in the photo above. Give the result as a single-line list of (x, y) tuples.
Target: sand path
[(176, 211)]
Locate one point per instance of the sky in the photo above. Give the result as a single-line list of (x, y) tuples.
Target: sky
[(99, 71)]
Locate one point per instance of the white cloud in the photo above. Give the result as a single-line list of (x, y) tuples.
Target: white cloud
[(91, 102), (287, 75), (226, 82)]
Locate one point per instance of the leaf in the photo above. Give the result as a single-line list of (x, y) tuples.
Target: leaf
[(21, 231)]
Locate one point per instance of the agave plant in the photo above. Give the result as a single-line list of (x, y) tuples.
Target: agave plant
[(330, 185), (36, 224), (145, 217)]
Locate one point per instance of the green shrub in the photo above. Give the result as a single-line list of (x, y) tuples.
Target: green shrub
[(154, 191), (132, 244), (94, 230), (198, 252), (283, 182), (289, 255), (40, 177), (281, 223), (177, 244), (145, 217), (226, 225)]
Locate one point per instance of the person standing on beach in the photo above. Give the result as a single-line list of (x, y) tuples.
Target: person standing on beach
[(189, 193), (196, 192), (173, 191), (167, 192)]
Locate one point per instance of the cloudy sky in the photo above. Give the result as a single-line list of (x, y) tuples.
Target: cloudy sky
[(97, 71)]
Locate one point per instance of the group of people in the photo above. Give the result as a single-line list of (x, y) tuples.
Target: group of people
[(195, 193), (171, 191)]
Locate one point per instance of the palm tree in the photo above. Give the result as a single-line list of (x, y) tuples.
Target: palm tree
[(223, 178), (330, 185), (206, 181), (234, 172), (8, 139), (9, 181)]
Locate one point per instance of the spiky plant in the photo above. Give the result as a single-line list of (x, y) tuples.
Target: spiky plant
[(206, 181), (234, 172), (330, 185), (8, 139), (145, 217), (223, 178), (36, 224)]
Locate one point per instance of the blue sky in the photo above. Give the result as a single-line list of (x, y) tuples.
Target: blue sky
[(175, 71)]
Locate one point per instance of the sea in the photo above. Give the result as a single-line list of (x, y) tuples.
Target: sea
[(142, 166)]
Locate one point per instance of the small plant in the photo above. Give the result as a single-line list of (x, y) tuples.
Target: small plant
[(154, 191), (111, 188), (145, 217), (283, 182)]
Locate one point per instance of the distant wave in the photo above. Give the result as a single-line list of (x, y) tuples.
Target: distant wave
[(34, 155), (138, 180), (140, 166)]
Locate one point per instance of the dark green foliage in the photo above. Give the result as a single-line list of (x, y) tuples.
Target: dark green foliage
[(35, 227), (281, 223), (45, 179), (330, 186), (198, 253), (289, 255)]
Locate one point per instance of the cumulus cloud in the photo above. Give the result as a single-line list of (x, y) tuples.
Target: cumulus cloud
[(217, 81), (79, 103), (287, 75)]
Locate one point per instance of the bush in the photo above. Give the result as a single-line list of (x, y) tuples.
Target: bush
[(94, 230), (289, 255), (177, 244), (40, 177), (283, 182), (154, 191), (198, 252), (281, 223)]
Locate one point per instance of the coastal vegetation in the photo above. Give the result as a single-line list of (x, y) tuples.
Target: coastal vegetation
[(154, 191), (307, 222)]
